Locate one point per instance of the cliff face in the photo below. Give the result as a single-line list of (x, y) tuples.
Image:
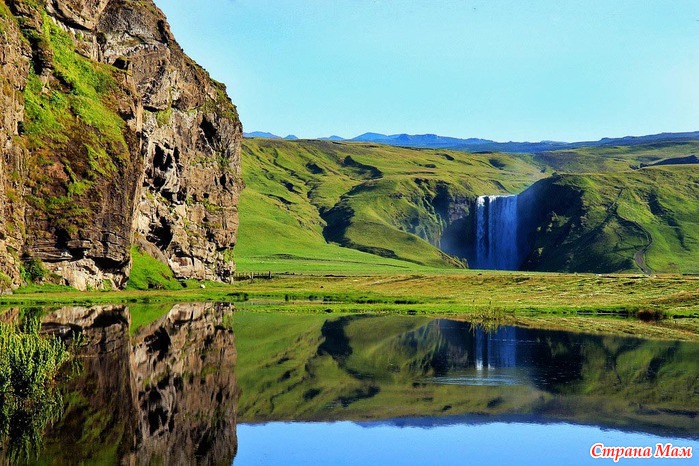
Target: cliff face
[(14, 59), (112, 137)]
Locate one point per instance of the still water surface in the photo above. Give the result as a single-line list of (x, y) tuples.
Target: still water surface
[(202, 383), (463, 442)]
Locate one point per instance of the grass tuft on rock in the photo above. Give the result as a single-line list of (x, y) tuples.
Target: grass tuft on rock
[(148, 273)]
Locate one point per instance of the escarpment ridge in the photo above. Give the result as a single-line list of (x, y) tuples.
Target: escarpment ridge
[(112, 138)]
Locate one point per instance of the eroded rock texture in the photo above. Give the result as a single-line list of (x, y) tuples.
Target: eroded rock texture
[(186, 213), (111, 136), (14, 58)]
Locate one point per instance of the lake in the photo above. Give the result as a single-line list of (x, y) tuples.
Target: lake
[(204, 383)]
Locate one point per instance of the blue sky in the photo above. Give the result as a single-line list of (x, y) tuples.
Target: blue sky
[(499, 69)]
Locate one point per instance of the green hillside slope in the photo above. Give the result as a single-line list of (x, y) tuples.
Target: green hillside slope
[(352, 207), (614, 158), (642, 220), (387, 205)]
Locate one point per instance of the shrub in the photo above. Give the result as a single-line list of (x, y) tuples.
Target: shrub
[(5, 282), (29, 364), (33, 270), (651, 315)]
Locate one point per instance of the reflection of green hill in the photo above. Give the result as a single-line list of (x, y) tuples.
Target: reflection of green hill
[(288, 369), (367, 367)]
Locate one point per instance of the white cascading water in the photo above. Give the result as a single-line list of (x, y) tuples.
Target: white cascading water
[(497, 245)]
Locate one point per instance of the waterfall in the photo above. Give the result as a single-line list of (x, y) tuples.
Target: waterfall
[(497, 242)]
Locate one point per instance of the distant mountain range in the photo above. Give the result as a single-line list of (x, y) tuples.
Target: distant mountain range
[(433, 141), (264, 135)]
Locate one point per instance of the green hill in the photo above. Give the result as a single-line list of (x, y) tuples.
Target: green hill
[(614, 158), (328, 206), (645, 220), (305, 199)]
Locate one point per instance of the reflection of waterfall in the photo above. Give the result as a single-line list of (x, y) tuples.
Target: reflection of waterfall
[(478, 350), (495, 349), (497, 242)]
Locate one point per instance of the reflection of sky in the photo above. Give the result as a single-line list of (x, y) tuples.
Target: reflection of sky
[(347, 443)]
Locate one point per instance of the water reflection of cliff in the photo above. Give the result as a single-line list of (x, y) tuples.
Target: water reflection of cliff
[(167, 395)]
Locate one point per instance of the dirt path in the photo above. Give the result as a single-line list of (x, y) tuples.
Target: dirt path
[(640, 259), (640, 255)]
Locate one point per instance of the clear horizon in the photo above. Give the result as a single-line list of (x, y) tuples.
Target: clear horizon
[(500, 69), (450, 136)]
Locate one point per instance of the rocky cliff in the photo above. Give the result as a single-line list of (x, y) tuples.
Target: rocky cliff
[(111, 138)]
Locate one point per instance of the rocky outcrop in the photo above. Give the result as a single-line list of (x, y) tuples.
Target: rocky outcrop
[(455, 211), (186, 211), (14, 58), (124, 140)]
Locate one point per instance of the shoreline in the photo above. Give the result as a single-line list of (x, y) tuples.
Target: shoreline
[(665, 307)]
